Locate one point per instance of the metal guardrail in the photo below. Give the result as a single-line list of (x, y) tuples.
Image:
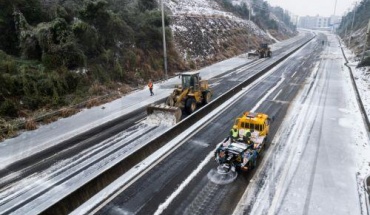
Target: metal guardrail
[(367, 193), (69, 203), (358, 97), (367, 122)]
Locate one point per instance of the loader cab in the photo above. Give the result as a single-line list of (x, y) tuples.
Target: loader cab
[(263, 46), (190, 80), (255, 122)]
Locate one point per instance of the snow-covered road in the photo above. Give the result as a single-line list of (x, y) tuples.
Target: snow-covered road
[(316, 166), (320, 154), (35, 191)]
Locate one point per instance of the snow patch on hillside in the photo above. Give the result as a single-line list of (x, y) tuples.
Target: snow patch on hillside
[(195, 7), (203, 33)]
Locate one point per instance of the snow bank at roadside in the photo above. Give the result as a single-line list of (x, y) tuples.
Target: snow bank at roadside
[(362, 79)]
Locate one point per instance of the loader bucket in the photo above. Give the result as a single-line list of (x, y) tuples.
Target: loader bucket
[(162, 108), (253, 54)]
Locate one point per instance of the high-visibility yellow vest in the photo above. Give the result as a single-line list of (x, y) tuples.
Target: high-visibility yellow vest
[(234, 133)]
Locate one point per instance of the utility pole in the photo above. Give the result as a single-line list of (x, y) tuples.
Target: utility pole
[(365, 45), (332, 22), (353, 20), (164, 43), (249, 22)]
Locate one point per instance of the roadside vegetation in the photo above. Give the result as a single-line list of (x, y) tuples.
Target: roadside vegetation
[(62, 53), (261, 14), (58, 56), (352, 30)]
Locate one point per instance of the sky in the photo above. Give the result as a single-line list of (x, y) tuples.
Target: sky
[(314, 7)]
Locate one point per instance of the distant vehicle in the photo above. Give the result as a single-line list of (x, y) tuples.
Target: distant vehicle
[(262, 52), (242, 154), (188, 96)]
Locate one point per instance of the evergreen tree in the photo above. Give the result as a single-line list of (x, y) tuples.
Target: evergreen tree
[(144, 5)]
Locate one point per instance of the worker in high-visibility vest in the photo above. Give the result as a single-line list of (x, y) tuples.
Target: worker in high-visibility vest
[(150, 86), (247, 137), (234, 133)]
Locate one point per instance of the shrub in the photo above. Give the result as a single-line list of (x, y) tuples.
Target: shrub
[(8, 108), (365, 62), (30, 124), (87, 37), (32, 102), (8, 66)]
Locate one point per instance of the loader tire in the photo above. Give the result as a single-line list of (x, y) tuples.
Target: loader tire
[(206, 97), (190, 105), (170, 101)]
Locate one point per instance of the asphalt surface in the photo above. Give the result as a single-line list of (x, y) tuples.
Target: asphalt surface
[(76, 145), (318, 174), (16, 173), (202, 196)]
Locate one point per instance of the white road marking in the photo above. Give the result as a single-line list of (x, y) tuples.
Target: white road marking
[(102, 198), (277, 95), (267, 95), (140, 121), (164, 205), (294, 74)]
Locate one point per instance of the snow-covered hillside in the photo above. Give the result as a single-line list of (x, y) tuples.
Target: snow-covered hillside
[(204, 33), (195, 7)]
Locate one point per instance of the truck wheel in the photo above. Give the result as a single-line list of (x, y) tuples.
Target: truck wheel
[(206, 97), (191, 105), (265, 142)]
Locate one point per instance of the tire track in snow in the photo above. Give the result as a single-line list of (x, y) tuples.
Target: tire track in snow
[(313, 171), (313, 125), (310, 110)]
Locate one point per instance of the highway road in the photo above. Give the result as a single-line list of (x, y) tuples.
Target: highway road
[(60, 170), (320, 171), (161, 189)]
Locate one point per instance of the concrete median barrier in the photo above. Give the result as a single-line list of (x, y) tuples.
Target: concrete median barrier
[(77, 197)]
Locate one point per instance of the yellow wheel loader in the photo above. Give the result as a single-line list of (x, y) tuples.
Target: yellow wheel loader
[(262, 52), (188, 96)]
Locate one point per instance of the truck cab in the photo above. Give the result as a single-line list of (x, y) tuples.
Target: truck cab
[(255, 122)]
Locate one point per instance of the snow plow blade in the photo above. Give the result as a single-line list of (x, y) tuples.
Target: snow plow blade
[(175, 111), (253, 54)]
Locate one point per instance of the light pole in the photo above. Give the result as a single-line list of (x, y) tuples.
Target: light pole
[(249, 21), (164, 43), (332, 22), (353, 20)]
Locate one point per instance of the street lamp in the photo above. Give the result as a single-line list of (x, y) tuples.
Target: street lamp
[(353, 20), (332, 22), (164, 43), (249, 21)]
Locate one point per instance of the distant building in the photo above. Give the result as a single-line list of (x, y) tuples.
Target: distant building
[(318, 22), (293, 18), (335, 21)]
